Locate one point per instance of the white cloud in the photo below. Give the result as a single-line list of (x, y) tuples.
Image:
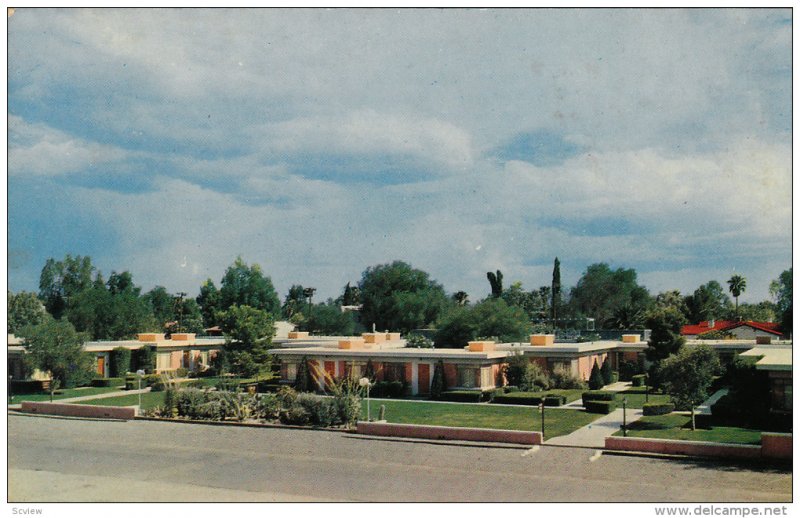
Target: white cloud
[(36, 149)]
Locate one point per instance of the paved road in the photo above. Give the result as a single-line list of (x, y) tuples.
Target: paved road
[(56, 459)]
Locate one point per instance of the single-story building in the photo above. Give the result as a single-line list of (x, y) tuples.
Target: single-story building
[(477, 366), (776, 360), (738, 330)]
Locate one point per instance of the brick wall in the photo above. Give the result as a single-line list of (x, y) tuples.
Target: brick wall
[(96, 411), (449, 433)]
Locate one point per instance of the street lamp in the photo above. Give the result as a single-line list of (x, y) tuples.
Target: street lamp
[(624, 417), (646, 387), (10, 395), (364, 382), (139, 374)]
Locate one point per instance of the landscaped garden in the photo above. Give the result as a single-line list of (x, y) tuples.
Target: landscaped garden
[(678, 427)]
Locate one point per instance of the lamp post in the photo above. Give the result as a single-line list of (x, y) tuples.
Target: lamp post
[(10, 395), (139, 374), (541, 410), (364, 382), (646, 387), (624, 417)]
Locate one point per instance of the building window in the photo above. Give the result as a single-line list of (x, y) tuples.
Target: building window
[(487, 377), (467, 376), (394, 372)]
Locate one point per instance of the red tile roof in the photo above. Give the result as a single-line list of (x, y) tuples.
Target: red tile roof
[(727, 325)]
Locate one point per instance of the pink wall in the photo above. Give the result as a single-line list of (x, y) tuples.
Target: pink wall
[(776, 445), (701, 449), (109, 412), (450, 376)]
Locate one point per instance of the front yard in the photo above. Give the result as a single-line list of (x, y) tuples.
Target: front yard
[(149, 400), (65, 393), (678, 427), (557, 422)]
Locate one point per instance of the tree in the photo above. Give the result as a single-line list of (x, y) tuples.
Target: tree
[(555, 290), (461, 298), (294, 301), (781, 289), (351, 295), (120, 361), (674, 299), (302, 380), (24, 309), (496, 281), (438, 384), (328, 319), (764, 311), (161, 304), (248, 337), (708, 302), (59, 281), (665, 324), (687, 376), (490, 318), (244, 285), (737, 284), (398, 297), (56, 348), (210, 302), (596, 378), (607, 372), (626, 316), (601, 291), (514, 369)]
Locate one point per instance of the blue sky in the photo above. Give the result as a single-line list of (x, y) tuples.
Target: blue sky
[(320, 142)]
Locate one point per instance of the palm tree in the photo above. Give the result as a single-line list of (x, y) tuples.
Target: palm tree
[(737, 284)]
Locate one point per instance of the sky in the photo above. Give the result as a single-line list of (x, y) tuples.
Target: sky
[(320, 142)]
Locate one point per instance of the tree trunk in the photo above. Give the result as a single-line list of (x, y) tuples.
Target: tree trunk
[(692, 417)]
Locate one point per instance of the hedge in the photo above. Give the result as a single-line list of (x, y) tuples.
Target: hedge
[(463, 396), (108, 382), (28, 386), (517, 398), (638, 380), (132, 382), (598, 395), (387, 389), (600, 407), (554, 400), (657, 408)]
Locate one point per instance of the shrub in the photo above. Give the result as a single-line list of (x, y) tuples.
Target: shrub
[(296, 415), (181, 372), (511, 388), (598, 395), (596, 378), (271, 385), (600, 407), (657, 408), (27, 387), (120, 359), (188, 402), (515, 369), (144, 358), (418, 341), (266, 406), (639, 380), (518, 398), (554, 400), (132, 382), (534, 378), (614, 376), (627, 370), (286, 397), (108, 382), (437, 382), (321, 410), (562, 378)]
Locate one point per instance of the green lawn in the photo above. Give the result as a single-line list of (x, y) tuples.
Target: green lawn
[(636, 397), (149, 400), (557, 422), (678, 427), (66, 393)]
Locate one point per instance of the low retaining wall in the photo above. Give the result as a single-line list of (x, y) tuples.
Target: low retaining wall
[(776, 447), (447, 432), (65, 409)]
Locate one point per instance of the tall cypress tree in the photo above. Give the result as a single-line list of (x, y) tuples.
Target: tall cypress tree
[(555, 290), (437, 382)]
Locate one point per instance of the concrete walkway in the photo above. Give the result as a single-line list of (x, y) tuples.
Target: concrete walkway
[(705, 407), (594, 434), (77, 399)]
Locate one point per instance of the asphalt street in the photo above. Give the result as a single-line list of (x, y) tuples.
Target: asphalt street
[(73, 460)]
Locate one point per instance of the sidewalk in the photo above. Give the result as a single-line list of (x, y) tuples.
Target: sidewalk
[(594, 434), (76, 399)]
